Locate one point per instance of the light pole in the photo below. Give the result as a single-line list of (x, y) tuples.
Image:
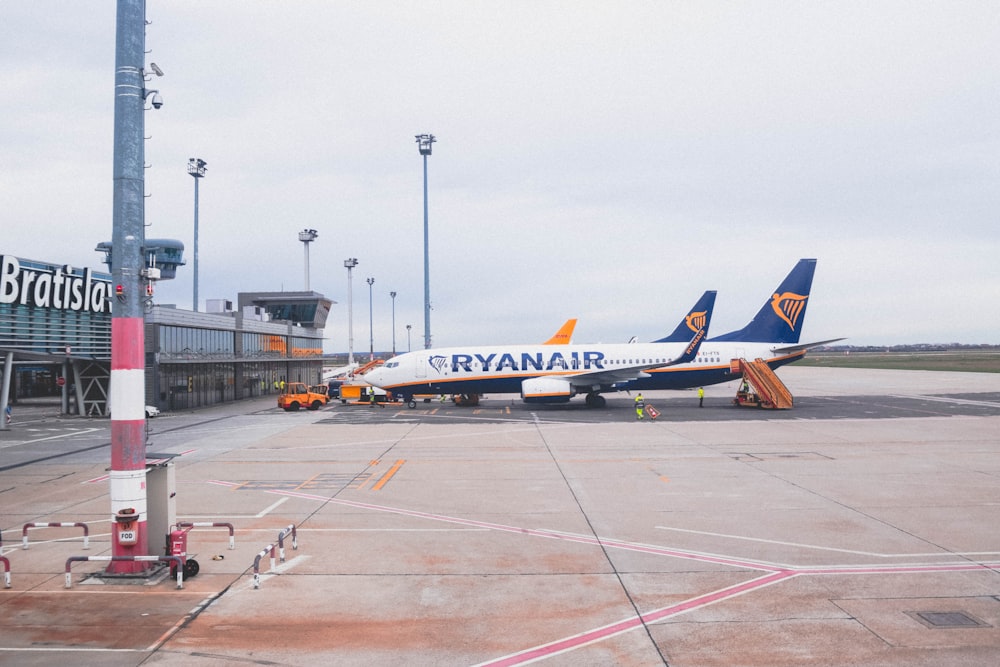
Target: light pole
[(307, 236), (371, 331), (392, 295), (196, 167), (424, 144), (408, 327), (350, 264)]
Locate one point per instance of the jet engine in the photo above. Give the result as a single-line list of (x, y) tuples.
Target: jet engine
[(546, 390)]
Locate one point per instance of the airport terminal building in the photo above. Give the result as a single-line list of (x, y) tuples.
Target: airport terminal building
[(55, 340)]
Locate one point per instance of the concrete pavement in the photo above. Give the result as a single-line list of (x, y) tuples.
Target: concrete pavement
[(750, 540)]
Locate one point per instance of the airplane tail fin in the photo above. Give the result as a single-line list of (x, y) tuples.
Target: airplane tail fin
[(781, 317), (564, 335), (696, 319), (694, 328)]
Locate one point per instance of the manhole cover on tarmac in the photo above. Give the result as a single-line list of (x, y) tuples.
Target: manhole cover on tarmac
[(948, 619)]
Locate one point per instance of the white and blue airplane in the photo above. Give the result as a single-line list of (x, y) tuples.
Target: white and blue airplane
[(772, 335), (547, 373)]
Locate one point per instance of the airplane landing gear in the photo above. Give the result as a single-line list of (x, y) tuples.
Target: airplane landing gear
[(595, 400)]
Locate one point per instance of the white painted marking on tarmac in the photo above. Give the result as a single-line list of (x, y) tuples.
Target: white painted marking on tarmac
[(744, 538), (51, 437), (267, 510), (945, 399), (281, 568), (80, 649), (264, 512), (393, 530)]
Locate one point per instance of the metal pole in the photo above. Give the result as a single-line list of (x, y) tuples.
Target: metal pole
[(307, 236), (127, 481), (393, 296), (196, 167), (427, 270), (371, 330), (8, 363), (194, 298), (350, 264), (425, 144), (306, 244)]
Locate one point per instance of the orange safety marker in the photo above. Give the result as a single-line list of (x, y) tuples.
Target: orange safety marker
[(652, 412)]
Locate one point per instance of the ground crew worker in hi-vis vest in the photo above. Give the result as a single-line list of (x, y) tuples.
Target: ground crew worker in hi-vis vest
[(701, 397), (640, 406)]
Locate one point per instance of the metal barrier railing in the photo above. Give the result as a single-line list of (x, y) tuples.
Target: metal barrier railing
[(78, 524), (289, 530), (281, 541), (209, 524), (256, 564)]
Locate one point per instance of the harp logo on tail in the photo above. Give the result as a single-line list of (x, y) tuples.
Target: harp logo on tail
[(696, 321), (788, 306)]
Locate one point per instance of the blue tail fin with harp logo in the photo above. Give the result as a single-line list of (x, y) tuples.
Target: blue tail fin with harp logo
[(697, 318), (780, 318)]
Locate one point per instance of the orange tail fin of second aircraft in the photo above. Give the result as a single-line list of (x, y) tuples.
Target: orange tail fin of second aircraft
[(564, 335)]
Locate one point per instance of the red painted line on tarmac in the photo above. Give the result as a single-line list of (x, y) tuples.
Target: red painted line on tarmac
[(599, 634)]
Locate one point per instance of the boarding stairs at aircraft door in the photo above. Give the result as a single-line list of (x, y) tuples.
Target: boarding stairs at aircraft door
[(762, 388), (361, 370)]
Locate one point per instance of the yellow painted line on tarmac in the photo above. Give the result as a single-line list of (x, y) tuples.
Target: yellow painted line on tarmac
[(387, 476), (306, 483), (365, 481)]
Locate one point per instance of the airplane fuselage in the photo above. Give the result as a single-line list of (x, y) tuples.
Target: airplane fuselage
[(504, 369)]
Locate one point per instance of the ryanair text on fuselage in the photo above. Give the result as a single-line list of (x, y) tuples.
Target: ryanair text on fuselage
[(525, 361)]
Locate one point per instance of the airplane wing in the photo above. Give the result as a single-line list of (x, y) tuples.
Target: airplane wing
[(627, 373), (793, 349), (696, 321)]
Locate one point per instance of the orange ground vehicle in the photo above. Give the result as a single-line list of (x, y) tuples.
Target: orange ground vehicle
[(297, 395)]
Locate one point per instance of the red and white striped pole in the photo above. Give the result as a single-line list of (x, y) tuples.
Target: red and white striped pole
[(128, 387)]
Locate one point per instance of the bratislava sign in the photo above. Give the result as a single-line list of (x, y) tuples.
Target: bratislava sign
[(57, 287)]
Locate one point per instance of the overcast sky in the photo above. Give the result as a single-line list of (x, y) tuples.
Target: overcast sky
[(607, 161)]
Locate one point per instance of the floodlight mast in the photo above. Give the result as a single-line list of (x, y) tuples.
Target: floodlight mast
[(350, 264), (371, 330), (425, 144), (196, 167)]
